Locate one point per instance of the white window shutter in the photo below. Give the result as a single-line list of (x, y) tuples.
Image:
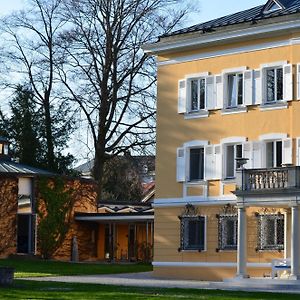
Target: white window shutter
[(210, 92), (219, 91), (218, 161), (288, 82), (248, 87), (257, 148), (298, 151), (287, 151), (298, 81), (257, 87), (225, 90), (247, 153), (209, 162), (180, 164), (182, 99)]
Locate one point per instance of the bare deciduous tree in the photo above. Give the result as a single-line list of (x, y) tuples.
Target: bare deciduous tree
[(29, 53), (108, 75)]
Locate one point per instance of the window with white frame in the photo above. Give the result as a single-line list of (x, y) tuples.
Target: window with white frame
[(273, 154), (197, 94), (228, 228), (232, 152), (196, 164), (270, 232), (192, 235), (235, 90), (274, 84)]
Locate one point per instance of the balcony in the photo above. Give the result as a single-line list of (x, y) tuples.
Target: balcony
[(284, 179)]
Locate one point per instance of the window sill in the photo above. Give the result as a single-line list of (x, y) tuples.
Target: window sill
[(191, 183), (234, 110), (229, 180), (273, 106), (196, 115), (193, 251)]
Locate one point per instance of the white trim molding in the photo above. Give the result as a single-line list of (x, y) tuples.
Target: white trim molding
[(274, 64), (234, 70), (272, 136), (233, 139), (208, 264), (195, 200), (196, 75), (195, 143)]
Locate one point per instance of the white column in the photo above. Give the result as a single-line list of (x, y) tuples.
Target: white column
[(242, 243), (295, 243)]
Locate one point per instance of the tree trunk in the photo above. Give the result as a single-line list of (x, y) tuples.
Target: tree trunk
[(49, 138)]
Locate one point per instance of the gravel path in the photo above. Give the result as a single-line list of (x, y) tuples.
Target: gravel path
[(148, 280)]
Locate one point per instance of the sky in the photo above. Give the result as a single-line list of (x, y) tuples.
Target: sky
[(209, 9)]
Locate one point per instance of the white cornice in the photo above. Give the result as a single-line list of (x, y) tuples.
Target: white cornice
[(177, 45), (207, 201)]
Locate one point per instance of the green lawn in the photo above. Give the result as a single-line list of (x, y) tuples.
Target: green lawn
[(71, 291), (34, 268)]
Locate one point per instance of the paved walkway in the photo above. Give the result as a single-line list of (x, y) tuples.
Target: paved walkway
[(148, 280)]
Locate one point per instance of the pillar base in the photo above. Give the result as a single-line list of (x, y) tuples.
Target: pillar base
[(294, 277), (242, 276)]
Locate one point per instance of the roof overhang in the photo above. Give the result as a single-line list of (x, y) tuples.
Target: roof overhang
[(120, 218), (198, 40)]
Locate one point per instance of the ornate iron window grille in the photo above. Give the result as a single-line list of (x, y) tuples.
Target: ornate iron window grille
[(270, 232), (191, 220), (227, 232)]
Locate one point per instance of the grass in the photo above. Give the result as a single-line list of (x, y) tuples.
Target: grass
[(42, 268), (72, 291)]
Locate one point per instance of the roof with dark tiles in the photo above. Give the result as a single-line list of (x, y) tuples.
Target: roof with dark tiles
[(250, 15)]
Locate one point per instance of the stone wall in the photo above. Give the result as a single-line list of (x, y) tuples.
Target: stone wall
[(8, 216)]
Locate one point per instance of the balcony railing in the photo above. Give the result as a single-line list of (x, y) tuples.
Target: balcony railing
[(269, 179)]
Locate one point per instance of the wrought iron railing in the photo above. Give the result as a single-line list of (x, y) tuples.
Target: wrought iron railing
[(269, 179)]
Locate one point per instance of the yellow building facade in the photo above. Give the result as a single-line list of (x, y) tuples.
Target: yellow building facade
[(228, 147)]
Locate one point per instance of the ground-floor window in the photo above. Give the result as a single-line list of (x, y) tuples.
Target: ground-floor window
[(228, 228), (270, 232), (192, 233)]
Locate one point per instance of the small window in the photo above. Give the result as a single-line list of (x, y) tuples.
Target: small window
[(274, 85), (232, 152), (235, 90), (196, 165), (271, 232), (193, 233), (273, 6), (273, 154), (197, 94), (228, 229)]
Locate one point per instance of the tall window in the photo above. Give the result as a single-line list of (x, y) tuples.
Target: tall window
[(198, 94), (193, 233), (232, 152), (274, 84), (235, 90), (271, 232), (196, 164), (273, 154), (228, 228)]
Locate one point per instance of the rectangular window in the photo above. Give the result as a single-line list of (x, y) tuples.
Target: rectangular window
[(235, 90), (193, 233), (228, 228), (271, 232), (274, 84), (232, 152), (197, 94), (196, 164), (273, 154)]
